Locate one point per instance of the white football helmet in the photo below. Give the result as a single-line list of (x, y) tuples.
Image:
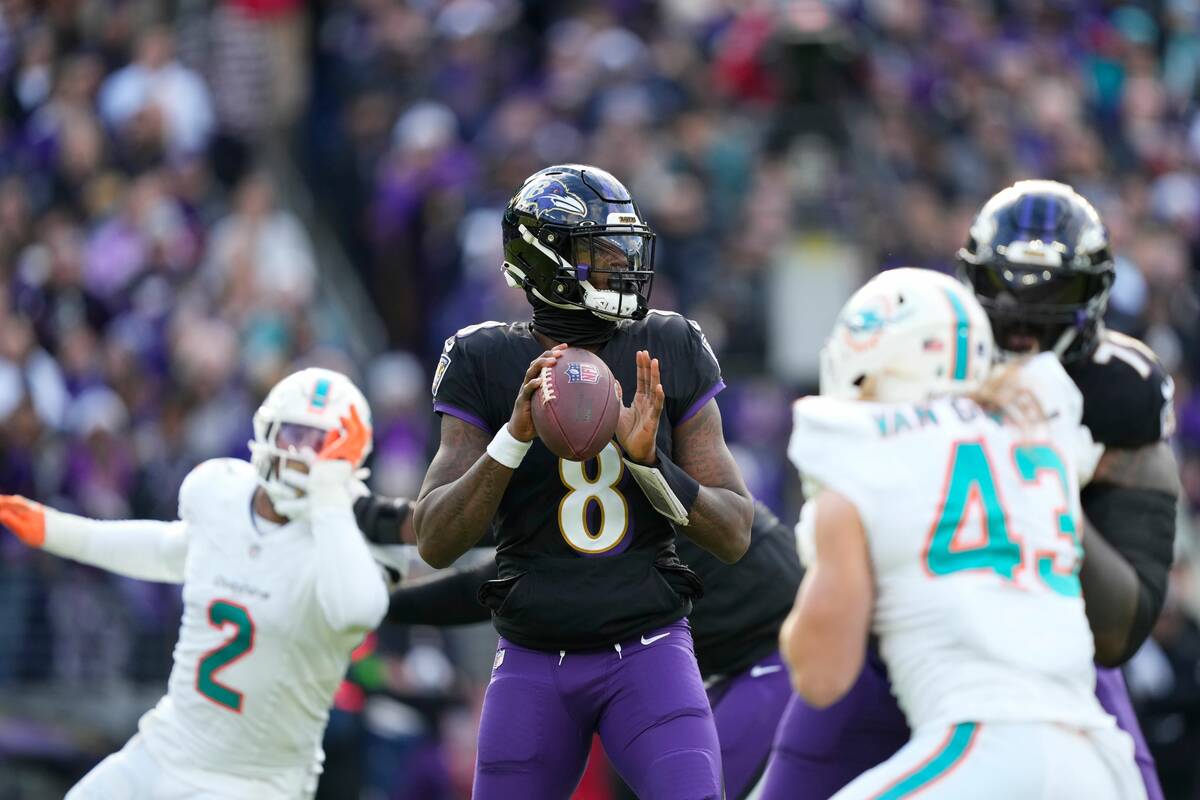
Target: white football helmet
[(293, 421), (915, 333)]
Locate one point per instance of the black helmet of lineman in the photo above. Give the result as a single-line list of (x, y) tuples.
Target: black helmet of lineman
[(1038, 259), (573, 238)]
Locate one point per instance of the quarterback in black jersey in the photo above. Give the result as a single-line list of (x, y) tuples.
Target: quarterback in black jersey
[(1038, 258), (735, 626), (590, 607)]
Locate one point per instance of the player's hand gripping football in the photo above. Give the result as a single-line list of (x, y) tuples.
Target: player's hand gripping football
[(347, 444), (637, 427), (520, 425), (25, 518)]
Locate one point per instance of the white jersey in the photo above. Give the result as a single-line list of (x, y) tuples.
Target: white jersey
[(257, 662), (973, 525)]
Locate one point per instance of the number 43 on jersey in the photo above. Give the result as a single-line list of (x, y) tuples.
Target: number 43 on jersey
[(972, 483)]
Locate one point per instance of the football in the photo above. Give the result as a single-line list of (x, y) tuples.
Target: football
[(575, 411)]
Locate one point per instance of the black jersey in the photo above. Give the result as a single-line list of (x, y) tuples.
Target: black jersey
[(737, 623), (1127, 394), (584, 560)]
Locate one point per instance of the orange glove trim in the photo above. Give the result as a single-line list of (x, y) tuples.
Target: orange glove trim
[(25, 518), (348, 444)]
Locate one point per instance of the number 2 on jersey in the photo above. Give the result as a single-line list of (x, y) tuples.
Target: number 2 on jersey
[(220, 614), (971, 482), (600, 491)]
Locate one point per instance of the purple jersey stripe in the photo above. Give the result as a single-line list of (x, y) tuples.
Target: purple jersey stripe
[(465, 416), (699, 404)]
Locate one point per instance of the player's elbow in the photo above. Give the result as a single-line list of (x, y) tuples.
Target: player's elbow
[(434, 554), (819, 685), (737, 541), (815, 676), (734, 547), (432, 551), (1109, 653)]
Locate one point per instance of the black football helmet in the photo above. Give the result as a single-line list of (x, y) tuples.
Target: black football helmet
[(1038, 259), (573, 238)]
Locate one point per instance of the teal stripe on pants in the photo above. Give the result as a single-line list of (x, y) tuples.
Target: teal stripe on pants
[(944, 760)]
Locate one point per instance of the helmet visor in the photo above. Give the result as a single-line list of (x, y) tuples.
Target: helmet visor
[(293, 436), (621, 262), (1034, 289)]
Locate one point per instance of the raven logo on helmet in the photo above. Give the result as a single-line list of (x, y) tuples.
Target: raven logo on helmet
[(549, 198)]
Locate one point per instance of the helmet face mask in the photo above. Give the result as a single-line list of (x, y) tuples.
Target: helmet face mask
[(574, 239), (1038, 260)]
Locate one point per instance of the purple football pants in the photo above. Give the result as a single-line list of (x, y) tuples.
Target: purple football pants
[(644, 697), (1112, 694), (817, 752), (747, 708)]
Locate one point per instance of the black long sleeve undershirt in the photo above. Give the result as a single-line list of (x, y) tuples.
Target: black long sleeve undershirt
[(448, 597)]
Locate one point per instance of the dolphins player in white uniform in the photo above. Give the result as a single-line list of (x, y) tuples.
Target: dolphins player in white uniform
[(944, 518), (278, 588)]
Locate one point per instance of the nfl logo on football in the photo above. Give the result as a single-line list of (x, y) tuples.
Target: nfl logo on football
[(582, 373)]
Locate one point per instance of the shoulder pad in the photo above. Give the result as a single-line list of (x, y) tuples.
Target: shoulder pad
[(210, 486), (462, 340), (476, 335), (672, 323), (831, 442), (1127, 393)]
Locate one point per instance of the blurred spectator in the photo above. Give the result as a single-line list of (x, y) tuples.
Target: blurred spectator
[(260, 257), (157, 99)]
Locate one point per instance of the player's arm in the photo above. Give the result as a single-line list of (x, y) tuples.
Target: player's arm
[(720, 518), (147, 550), (446, 598), (824, 638), (469, 473), (349, 587), (1131, 504), (699, 487)]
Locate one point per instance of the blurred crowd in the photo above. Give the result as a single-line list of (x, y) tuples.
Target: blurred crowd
[(155, 279)]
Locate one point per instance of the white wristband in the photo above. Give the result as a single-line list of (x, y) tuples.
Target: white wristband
[(506, 449)]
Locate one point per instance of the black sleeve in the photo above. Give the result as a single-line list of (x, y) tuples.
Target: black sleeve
[(380, 518), (457, 385), (1140, 525), (446, 598), (691, 372)]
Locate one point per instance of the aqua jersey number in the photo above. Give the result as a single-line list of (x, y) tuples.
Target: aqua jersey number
[(223, 613)]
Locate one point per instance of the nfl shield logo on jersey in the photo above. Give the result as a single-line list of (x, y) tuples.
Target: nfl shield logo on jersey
[(582, 373)]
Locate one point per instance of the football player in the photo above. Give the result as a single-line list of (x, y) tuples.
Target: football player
[(736, 640), (1038, 258), (970, 581), (590, 606), (278, 588)]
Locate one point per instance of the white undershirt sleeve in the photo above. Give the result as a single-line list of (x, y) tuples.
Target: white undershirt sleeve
[(350, 586), (144, 549)]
